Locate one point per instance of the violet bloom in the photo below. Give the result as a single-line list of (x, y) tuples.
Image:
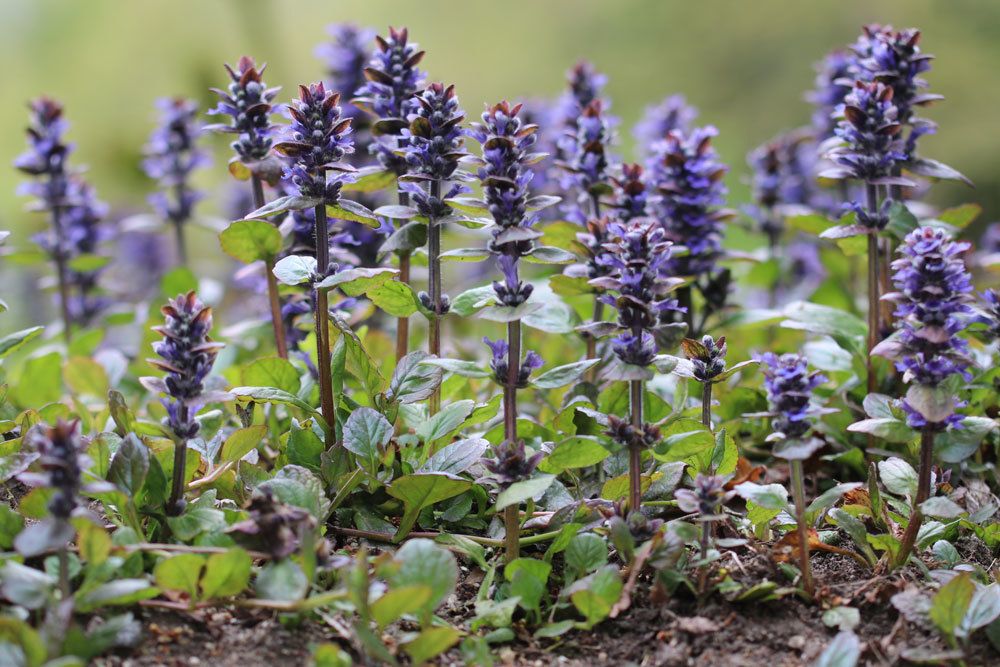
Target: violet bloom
[(932, 301), (790, 385), (434, 139), (393, 79), (513, 291), (511, 465), (46, 156), (314, 143), (638, 255), (625, 434), (869, 135), (895, 59), (346, 55), (83, 232), (706, 499), (673, 113), (832, 84), (708, 356), (248, 102), (991, 302), (186, 355), (172, 155), (498, 363), (782, 175), (631, 198), (272, 527), (686, 172), (587, 165), (62, 458)]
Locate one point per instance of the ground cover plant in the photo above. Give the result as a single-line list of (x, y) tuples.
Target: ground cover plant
[(618, 440)]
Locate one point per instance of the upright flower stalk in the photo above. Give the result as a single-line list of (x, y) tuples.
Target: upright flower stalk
[(685, 172), (505, 176), (247, 101), (433, 147), (708, 360), (867, 148), (45, 161), (510, 466), (186, 355), (172, 154), (790, 385), (314, 144), (933, 290), (638, 256), (705, 500), (392, 80)]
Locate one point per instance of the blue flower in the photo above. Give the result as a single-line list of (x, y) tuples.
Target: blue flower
[(346, 55), (789, 386), (248, 102), (498, 363), (869, 132), (673, 113), (172, 155)]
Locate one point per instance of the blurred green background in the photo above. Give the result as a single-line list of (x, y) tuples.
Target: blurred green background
[(746, 66)]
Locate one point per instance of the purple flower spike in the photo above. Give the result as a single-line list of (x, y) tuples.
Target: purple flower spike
[(512, 464), (991, 301), (832, 84), (172, 155), (869, 132), (248, 102), (346, 54), (673, 113), (498, 363), (789, 386)]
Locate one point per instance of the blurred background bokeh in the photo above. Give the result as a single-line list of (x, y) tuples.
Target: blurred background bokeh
[(745, 65)]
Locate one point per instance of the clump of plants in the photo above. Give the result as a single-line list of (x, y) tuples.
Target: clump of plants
[(309, 448)]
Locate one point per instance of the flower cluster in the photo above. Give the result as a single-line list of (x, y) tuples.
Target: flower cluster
[(346, 54), (272, 527), (790, 385), (687, 174), (172, 155), (706, 499), (895, 59), (393, 79), (631, 196), (434, 138), (588, 167), (638, 255), (991, 299), (584, 85), (624, 433), (186, 355), (783, 174), (83, 232), (500, 367), (659, 120), (708, 356), (933, 290), (315, 142), (869, 134), (505, 177), (248, 102), (511, 465), (62, 458), (47, 153), (833, 75)]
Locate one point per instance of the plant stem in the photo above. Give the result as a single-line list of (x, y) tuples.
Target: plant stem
[(485, 541), (272, 282), (798, 491), (434, 290), (706, 405), (635, 452), (706, 541), (321, 313), (175, 505), (403, 323), (512, 525), (873, 286), (62, 275), (923, 493)]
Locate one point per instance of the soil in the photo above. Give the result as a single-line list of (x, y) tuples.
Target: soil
[(676, 631)]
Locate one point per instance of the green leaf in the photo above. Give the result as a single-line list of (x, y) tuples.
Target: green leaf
[(560, 376), (282, 581), (518, 492), (473, 300), (129, 465), (366, 434), (295, 269), (768, 496), (951, 602), (595, 595), (370, 179), (960, 216), (898, 476), (395, 298), (11, 524), (200, 517), (45, 385), (469, 369), (353, 211), (824, 320), (406, 239), (241, 442), (456, 457), (890, 429), (399, 600), (935, 403), (412, 380), (20, 644), (85, 377), (431, 642), (305, 448), (585, 553), (984, 608), (94, 542), (956, 445), (226, 574), (251, 240), (298, 486), (282, 204), (120, 592), (421, 490), (271, 372), (271, 395), (577, 452), (180, 573), (355, 282), (465, 255), (543, 254), (11, 342), (445, 422), (424, 563)]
